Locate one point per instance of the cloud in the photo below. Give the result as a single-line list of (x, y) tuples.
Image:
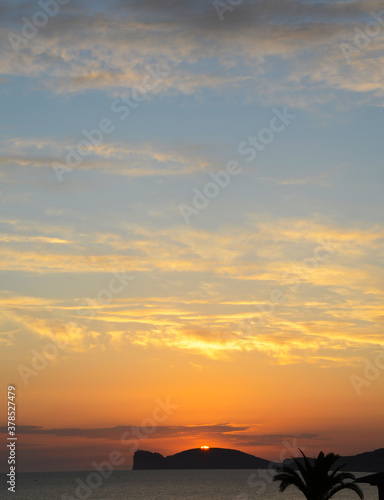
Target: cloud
[(233, 434), (131, 160), (273, 439), (281, 51), (115, 433), (236, 313), (318, 180)]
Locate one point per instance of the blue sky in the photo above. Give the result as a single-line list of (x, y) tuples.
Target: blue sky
[(197, 279)]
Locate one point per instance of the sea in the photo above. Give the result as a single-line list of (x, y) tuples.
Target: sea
[(160, 485)]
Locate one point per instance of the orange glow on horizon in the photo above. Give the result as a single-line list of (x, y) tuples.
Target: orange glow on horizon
[(205, 447)]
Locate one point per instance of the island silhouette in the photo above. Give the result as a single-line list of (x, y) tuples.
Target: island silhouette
[(223, 458), (199, 458)]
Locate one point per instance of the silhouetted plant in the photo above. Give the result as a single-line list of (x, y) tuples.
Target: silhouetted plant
[(316, 480)]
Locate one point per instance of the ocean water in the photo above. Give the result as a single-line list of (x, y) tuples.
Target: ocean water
[(160, 485)]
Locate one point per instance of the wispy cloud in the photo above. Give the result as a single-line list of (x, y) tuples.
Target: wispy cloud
[(135, 160), (330, 310), (234, 434), (309, 62), (319, 180)]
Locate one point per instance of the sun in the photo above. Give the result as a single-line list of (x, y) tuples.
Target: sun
[(204, 448)]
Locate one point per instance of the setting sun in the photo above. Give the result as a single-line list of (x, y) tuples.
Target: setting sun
[(205, 447)]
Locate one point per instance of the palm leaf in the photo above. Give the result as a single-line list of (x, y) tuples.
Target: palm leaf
[(350, 486), (315, 479)]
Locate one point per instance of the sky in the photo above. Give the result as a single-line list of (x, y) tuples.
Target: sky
[(191, 227)]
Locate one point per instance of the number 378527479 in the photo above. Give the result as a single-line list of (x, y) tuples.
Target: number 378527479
[(11, 409)]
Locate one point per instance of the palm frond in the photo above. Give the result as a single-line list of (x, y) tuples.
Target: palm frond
[(315, 479), (349, 486)]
